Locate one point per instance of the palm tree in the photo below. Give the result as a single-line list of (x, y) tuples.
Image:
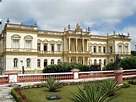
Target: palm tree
[(91, 93), (52, 84)]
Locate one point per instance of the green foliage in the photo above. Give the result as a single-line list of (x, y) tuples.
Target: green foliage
[(125, 85), (53, 84), (133, 82), (133, 53), (110, 66), (16, 96), (91, 93), (109, 86), (129, 62), (64, 67), (126, 63)]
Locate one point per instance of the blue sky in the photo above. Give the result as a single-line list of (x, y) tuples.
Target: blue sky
[(102, 16)]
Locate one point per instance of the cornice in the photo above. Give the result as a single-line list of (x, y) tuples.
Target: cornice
[(21, 30)]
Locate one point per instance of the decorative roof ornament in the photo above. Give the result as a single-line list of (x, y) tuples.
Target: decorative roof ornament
[(89, 29), (114, 32), (107, 34), (69, 27), (21, 23), (128, 34), (8, 20), (78, 29), (35, 23), (64, 28)]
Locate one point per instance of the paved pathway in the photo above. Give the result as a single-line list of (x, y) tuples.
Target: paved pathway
[(5, 95)]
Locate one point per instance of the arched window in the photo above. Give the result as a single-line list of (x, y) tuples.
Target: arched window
[(58, 61), (38, 63), (52, 61), (28, 61), (100, 61), (95, 61), (15, 61), (45, 62)]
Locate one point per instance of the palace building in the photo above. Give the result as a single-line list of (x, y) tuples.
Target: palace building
[(24, 46)]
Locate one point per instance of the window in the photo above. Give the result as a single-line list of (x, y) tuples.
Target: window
[(45, 47), (99, 49), (28, 44), (58, 47), (15, 62), (94, 49), (38, 46), (28, 62), (58, 61), (119, 48), (126, 48), (52, 61), (45, 62), (15, 43), (52, 47), (100, 61), (104, 49), (95, 61), (111, 60), (71, 60), (38, 63), (111, 49)]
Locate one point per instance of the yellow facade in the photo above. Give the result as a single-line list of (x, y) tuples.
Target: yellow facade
[(25, 45)]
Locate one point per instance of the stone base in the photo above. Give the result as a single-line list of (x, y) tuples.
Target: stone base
[(119, 76)]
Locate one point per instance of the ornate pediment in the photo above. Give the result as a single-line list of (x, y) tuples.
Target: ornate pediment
[(15, 36), (28, 37)]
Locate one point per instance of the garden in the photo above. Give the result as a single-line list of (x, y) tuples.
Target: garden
[(96, 91)]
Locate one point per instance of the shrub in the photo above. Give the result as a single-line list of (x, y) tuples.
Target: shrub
[(129, 62), (64, 67), (91, 93), (53, 84), (16, 96), (125, 85), (109, 86), (130, 82), (110, 66)]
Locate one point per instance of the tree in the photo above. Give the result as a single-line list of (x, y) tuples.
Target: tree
[(110, 66)]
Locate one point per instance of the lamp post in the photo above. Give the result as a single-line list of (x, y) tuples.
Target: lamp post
[(22, 66)]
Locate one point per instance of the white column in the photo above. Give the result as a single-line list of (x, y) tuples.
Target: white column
[(83, 44), (69, 43), (69, 59), (76, 59), (87, 45), (76, 44)]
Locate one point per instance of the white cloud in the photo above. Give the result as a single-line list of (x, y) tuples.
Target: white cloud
[(57, 14)]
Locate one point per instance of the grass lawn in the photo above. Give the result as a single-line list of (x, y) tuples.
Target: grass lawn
[(39, 94), (126, 95)]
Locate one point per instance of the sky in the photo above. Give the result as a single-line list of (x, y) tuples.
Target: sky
[(102, 16)]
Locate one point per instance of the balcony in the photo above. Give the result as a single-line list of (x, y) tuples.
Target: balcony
[(20, 50), (50, 52)]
